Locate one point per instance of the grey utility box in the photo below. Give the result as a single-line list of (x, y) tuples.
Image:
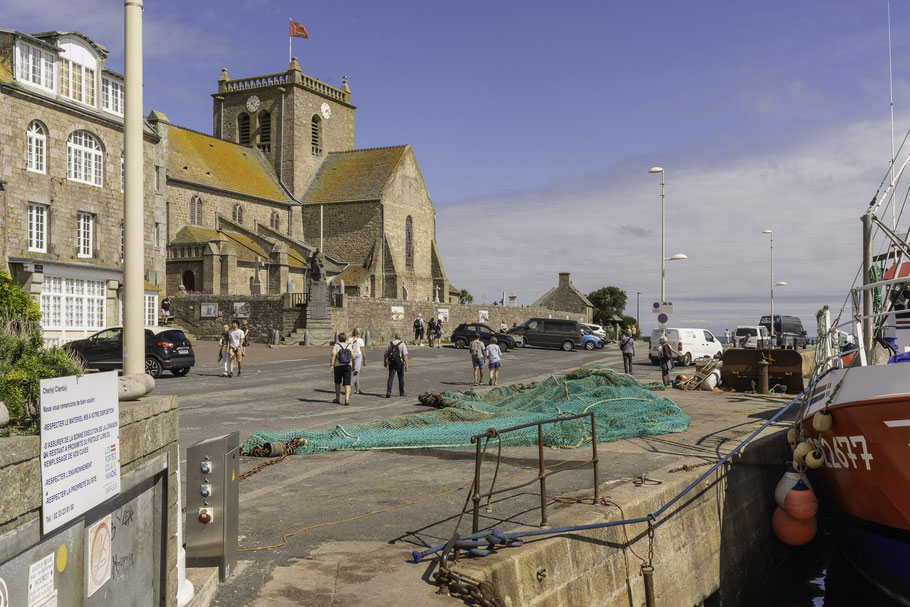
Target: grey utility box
[(212, 501)]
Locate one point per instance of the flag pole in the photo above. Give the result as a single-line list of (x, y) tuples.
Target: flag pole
[(289, 43)]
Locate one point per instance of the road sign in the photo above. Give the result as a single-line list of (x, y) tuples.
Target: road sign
[(666, 307), (655, 307), (662, 318)]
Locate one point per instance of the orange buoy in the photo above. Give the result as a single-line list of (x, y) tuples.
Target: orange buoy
[(793, 531), (800, 502)]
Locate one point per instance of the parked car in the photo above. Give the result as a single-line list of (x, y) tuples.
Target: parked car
[(597, 330), (756, 337), (589, 340), (787, 330), (690, 343), (465, 333), (164, 349), (549, 333)]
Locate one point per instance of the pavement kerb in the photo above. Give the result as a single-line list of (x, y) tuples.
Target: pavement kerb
[(561, 570)]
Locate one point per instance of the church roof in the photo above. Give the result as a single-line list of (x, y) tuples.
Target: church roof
[(220, 164), (247, 248), (354, 175)]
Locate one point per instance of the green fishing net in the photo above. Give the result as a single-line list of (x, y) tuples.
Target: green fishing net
[(622, 407)]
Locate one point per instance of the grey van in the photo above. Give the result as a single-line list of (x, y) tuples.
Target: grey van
[(549, 333)]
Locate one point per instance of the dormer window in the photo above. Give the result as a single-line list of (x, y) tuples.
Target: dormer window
[(78, 66), (112, 96), (35, 66)]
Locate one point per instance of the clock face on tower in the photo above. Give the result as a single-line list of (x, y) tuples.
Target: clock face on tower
[(326, 111), (252, 104)]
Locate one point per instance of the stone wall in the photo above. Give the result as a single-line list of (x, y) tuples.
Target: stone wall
[(375, 315), (267, 313), (350, 230), (148, 429)]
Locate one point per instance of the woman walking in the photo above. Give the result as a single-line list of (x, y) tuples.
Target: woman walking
[(494, 361), (224, 353), (360, 360)]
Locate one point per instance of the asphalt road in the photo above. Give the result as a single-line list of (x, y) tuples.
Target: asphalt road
[(360, 513)]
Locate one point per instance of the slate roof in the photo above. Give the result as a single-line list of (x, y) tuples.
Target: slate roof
[(353, 275), (542, 301), (354, 175), (247, 248), (215, 163)]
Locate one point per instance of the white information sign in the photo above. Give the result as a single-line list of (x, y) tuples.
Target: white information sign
[(80, 445), (40, 579), (662, 308)]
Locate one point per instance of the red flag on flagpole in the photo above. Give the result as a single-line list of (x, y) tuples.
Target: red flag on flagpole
[(297, 30)]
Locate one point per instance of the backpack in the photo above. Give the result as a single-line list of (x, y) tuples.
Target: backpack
[(417, 323), (395, 359), (344, 355)]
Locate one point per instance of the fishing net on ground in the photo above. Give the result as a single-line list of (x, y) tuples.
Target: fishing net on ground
[(623, 408)]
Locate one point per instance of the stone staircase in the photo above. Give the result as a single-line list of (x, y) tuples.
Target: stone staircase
[(321, 333)]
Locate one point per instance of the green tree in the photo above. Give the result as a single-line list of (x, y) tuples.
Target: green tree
[(608, 301), (464, 297)]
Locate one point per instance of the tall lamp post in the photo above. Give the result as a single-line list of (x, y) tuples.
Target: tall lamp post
[(638, 309), (773, 284), (663, 238)]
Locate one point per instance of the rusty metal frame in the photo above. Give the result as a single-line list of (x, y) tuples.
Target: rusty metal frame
[(542, 473)]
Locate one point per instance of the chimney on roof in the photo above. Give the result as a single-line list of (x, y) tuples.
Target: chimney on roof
[(563, 279)]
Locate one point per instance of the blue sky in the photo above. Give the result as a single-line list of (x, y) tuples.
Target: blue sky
[(535, 124)]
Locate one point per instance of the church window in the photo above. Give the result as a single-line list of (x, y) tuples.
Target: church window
[(265, 131), (274, 221), (243, 129), (196, 211), (237, 215), (316, 136), (84, 158), (36, 145), (409, 242)]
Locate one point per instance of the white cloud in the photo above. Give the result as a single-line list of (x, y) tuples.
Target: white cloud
[(810, 190)]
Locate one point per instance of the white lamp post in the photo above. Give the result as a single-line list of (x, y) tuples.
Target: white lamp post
[(663, 239), (773, 284)]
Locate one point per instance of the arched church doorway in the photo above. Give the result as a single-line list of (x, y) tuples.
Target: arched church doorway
[(189, 281)]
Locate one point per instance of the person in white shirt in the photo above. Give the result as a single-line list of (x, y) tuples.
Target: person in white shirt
[(344, 352), (235, 338), (477, 356), (359, 361), (494, 360)]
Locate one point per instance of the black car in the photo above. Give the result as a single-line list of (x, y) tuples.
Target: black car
[(467, 331), (165, 349), (787, 330)]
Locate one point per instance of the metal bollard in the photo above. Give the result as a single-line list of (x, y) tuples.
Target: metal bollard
[(763, 376), (306, 338)]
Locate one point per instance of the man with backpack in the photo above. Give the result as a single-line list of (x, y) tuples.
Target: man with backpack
[(418, 330), (343, 354), (396, 360)]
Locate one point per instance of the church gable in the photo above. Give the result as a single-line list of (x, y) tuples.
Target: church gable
[(354, 176)]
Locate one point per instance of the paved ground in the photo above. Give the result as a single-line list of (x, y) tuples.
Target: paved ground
[(361, 513)]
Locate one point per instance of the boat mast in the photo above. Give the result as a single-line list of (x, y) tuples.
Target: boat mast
[(867, 279), (891, 86)]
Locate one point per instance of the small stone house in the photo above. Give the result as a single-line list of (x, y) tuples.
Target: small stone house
[(564, 296)]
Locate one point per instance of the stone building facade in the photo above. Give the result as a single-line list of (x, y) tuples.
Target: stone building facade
[(564, 296), (61, 146)]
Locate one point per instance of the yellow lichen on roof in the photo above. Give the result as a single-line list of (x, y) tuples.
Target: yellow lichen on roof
[(221, 164), (188, 234), (353, 275), (5, 74), (355, 175)]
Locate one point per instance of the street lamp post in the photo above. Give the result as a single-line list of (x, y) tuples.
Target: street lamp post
[(638, 309), (773, 284), (663, 239)]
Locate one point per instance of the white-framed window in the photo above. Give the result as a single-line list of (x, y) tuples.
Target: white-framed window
[(121, 240), (122, 171), (112, 96), (72, 303), (35, 66), (77, 82), (151, 310), (36, 146), (37, 227), (84, 159), (85, 229)]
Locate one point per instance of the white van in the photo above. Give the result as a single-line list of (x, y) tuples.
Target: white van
[(690, 343), (756, 337)]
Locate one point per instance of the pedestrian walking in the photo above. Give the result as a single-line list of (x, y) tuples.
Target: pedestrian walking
[(235, 344), (396, 360), (418, 330), (245, 327), (224, 350), (665, 354), (493, 360), (503, 327), (627, 346), (344, 352), (478, 353), (166, 310), (359, 361), (438, 333), (431, 332), (727, 335)]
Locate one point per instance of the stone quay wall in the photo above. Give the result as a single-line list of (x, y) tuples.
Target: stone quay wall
[(148, 430), (375, 315)]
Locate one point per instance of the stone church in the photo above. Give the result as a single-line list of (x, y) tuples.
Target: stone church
[(243, 211)]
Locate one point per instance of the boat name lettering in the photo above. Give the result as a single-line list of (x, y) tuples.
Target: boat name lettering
[(839, 453)]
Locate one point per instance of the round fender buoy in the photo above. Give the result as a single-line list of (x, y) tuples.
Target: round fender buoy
[(791, 531), (792, 436), (787, 481), (801, 503), (815, 459), (822, 421), (801, 451)]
